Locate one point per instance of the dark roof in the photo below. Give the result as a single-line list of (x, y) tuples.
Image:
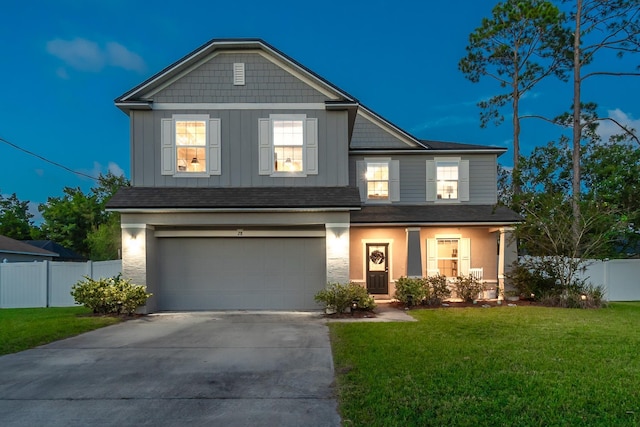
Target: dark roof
[(235, 198), (50, 245), (438, 213), (12, 246), (443, 145)]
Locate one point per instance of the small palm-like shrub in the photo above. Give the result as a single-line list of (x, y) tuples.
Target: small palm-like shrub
[(113, 295), (339, 297)]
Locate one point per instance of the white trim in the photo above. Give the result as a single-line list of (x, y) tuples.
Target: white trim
[(238, 106), (431, 224), (365, 258), (228, 210), (136, 226), (240, 233)]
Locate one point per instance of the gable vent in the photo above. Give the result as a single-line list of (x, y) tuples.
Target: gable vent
[(238, 73)]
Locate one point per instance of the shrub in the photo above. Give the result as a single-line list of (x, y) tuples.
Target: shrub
[(113, 295), (438, 289), (340, 296), (414, 286), (468, 288)]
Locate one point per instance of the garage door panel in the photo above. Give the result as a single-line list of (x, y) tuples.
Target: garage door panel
[(240, 273)]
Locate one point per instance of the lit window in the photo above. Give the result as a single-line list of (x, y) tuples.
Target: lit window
[(288, 141), (447, 180), (191, 143), (288, 145), (448, 257), (377, 181)]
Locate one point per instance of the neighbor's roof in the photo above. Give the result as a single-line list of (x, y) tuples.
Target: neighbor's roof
[(435, 214), (57, 248), (235, 198), (12, 246)]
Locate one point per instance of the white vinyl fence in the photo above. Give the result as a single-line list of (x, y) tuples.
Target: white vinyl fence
[(48, 283), (620, 277)]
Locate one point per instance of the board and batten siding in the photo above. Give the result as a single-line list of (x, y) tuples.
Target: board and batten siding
[(212, 82), (413, 177), (239, 150)]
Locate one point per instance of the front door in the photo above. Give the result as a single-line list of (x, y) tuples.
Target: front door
[(377, 268)]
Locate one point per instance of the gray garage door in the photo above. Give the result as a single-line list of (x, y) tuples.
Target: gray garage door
[(240, 273)]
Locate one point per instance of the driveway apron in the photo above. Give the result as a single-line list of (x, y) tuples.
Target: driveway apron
[(206, 368)]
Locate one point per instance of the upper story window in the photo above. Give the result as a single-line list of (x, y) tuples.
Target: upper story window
[(379, 179), (190, 145), (447, 179), (288, 141), (288, 145)]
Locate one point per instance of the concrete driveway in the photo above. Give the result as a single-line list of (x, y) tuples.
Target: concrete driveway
[(213, 368)]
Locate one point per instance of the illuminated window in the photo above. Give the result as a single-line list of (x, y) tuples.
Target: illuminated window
[(377, 181), (448, 257), (288, 145), (191, 144), (288, 141), (447, 180)]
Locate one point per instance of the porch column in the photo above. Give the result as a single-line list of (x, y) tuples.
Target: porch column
[(137, 241), (507, 255), (337, 241), (414, 254)]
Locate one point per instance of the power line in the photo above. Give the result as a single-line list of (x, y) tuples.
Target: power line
[(47, 160)]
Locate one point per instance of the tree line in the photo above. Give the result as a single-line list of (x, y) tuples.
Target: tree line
[(577, 194), (75, 220)]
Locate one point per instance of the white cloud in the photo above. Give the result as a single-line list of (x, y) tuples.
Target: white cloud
[(79, 53), (607, 128), (86, 55), (120, 56), (115, 169)]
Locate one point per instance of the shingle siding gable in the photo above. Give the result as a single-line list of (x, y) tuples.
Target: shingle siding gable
[(265, 82), (368, 135)]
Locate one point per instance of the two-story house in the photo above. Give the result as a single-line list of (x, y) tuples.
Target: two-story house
[(255, 182)]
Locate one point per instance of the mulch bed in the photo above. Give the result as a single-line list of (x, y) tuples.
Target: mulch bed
[(478, 304)]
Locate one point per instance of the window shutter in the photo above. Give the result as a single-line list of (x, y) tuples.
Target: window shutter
[(361, 179), (168, 153), (264, 145), (238, 73), (431, 181), (311, 146), (394, 180), (432, 256), (213, 159), (465, 256), (463, 180)]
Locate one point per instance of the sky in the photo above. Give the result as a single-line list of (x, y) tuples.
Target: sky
[(65, 61)]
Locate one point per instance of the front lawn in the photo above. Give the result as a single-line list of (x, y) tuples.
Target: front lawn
[(504, 366), (23, 328)]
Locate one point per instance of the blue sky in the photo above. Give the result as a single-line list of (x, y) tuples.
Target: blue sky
[(64, 62)]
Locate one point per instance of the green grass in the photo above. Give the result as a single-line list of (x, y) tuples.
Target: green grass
[(505, 366), (24, 328)]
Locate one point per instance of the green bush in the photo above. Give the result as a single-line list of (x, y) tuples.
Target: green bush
[(438, 289), (113, 295), (339, 297), (468, 288), (411, 286), (589, 297)]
